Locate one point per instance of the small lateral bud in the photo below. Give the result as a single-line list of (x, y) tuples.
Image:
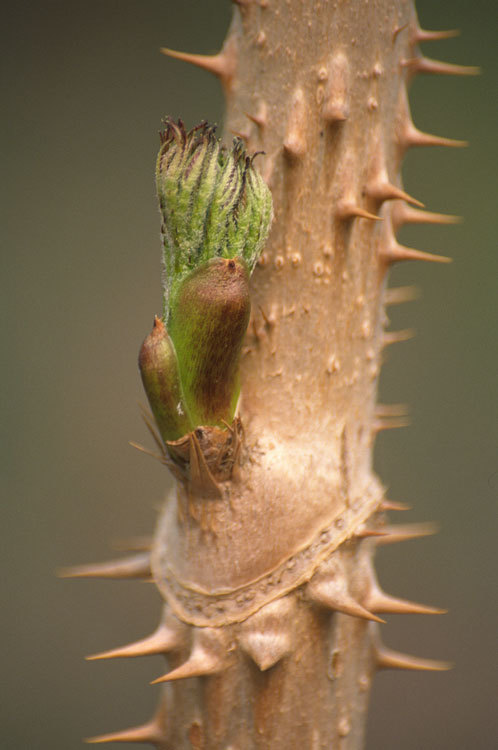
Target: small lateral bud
[(160, 376), (209, 318)]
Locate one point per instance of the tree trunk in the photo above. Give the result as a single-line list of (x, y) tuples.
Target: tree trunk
[(271, 623)]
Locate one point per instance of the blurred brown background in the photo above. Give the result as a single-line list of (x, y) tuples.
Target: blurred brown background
[(84, 90)]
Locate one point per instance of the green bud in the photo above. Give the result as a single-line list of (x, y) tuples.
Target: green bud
[(159, 369), (213, 203), (209, 317)]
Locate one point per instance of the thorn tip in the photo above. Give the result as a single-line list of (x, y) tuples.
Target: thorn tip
[(437, 67), (349, 210), (422, 35), (221, 65), (386, 658), (380, 602), (136, 566), (165, 638), (402, 533), (395, 252), (386, 191), (208, 657), (387, 505), (332, 594), (403, 214)]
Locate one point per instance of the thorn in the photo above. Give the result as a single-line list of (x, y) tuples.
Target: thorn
[(386, 658), (391, 410), (403, 214), (215, 64), (143, 733), (265, 636), (208, 656), (332, 594), (378, 601), (261, 117), (197, 666), (396, 252), (221, 65), (347, 206), (398, 30), (167, 637), (254, 119), (152, 732), (333, 112), (348, 210), (436, 67), (398, 295), (390, 505), (336, 97), (421, 35), (265, 648), (378, 186), (385, 191), (137, 566), (412, 136), (396, 337), (389, 424), (394, 534), (407, 135), (368, 533), (294, 140)]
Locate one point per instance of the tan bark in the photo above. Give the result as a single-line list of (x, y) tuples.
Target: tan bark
[(271, 615)]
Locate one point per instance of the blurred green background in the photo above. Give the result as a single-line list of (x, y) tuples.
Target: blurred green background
[(84, 90)]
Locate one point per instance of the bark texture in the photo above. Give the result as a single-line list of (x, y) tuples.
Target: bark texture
[(264, 556)]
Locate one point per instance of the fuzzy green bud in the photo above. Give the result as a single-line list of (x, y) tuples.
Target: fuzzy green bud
[(213, 203), (160, 376), (209, 317)]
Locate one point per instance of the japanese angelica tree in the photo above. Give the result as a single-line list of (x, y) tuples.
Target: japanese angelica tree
[(264, 551)]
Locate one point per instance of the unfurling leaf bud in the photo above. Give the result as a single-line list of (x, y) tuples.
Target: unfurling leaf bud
[(209, 317), (159, 369), (213, 203), (216, 214)]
